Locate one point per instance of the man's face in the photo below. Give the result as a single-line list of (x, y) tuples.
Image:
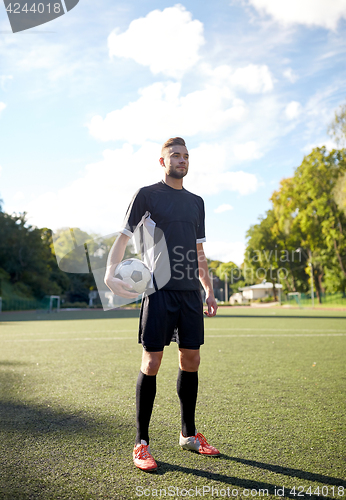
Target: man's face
[(175, 161)]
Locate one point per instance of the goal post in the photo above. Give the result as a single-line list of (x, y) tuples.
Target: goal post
[(54, 301), (295, 296)]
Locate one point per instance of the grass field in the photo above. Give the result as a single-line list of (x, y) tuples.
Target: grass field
[(271, 398)]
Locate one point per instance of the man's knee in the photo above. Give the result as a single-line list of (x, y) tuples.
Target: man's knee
[(189, 359), (151, 362)]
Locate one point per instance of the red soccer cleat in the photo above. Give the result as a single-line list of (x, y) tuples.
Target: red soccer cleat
[(142, 457), (199, 444)]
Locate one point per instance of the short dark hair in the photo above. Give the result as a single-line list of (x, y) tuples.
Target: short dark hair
[(174, 141)]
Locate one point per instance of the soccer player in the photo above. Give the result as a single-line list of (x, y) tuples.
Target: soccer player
[(175, 310)]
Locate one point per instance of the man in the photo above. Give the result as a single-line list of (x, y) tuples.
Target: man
[(175, 310)]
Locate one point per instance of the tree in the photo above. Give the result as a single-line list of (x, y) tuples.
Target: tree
[(264, 254), (305, 205), (26, 257), (229, 273), (213, 265), (227, 268), (339, 193), (56, 275), (337, 128)]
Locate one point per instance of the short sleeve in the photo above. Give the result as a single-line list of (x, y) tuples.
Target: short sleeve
[(134, 214), (201, 224)]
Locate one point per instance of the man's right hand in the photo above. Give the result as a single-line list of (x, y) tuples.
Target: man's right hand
[(118, 287), (116, 254)]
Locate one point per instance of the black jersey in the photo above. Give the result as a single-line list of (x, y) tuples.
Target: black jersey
[(178, 215)]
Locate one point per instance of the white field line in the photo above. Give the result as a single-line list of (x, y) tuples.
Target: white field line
[(76, 331), (207, 336), (68, 339), (86, 332), (273, 330), (284, 335)]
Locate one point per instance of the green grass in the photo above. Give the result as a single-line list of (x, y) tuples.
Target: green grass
[(271, 398)]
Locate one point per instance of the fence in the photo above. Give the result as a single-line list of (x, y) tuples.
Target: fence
[(25, 304), (304, 299)]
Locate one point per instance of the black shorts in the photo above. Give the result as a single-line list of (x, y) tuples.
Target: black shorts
[(170, 315)]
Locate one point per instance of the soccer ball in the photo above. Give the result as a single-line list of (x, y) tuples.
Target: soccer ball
[(135, 273)]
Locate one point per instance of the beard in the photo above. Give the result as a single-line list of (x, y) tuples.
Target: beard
[(177, 174)]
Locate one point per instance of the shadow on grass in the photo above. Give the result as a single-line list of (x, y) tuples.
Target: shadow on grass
[(287, 471), (22, 417), (25, 417), (13, 363), (19, 415), (41, 446), (247, 484)]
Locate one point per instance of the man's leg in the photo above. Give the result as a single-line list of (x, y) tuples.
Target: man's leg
[(145, 393), (145, 396), (187, 388)]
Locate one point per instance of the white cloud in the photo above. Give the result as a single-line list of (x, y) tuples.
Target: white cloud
[(225, 251), (290, 75), (161, 112), (241, 182), (209, 174), (293, 110), (328, 143), (223, 208), (253, 78), (167, 41), (324, 13), (247, 151), (2, 106), (19, 195)]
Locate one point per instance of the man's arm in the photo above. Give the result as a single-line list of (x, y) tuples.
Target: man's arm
[(115, 256), (205, 280)]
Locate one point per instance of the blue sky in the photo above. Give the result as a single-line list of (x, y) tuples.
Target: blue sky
[(87, 100)]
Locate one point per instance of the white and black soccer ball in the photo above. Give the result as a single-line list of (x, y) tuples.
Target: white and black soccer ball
[(134, 273)]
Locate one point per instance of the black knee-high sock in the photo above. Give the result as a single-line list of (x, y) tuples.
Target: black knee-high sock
[(187, 388), (145, 395)]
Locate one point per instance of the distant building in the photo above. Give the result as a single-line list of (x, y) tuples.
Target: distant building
[(260, 291), (237, 298)]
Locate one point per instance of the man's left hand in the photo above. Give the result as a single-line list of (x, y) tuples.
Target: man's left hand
[(212, 306)]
